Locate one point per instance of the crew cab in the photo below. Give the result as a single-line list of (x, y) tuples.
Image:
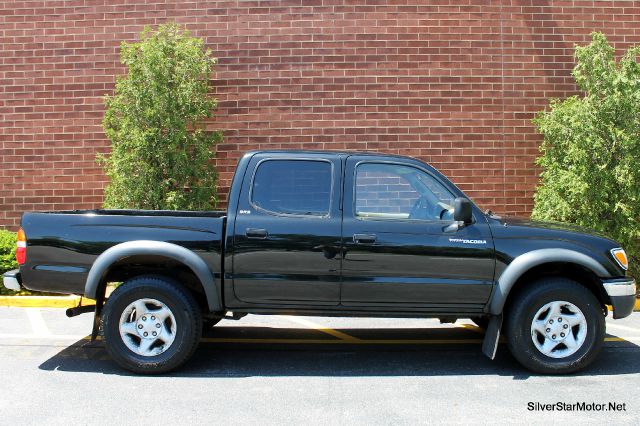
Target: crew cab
[(335, 234)]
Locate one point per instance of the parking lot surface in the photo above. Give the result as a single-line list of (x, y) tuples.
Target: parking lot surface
[(311, 370)]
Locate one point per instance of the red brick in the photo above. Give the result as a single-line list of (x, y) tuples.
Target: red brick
[(453, 83)]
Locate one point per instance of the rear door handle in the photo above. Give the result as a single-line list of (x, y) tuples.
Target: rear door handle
[(364, 238), (256, 233)]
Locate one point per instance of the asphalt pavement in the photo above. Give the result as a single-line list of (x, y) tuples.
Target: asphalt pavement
[(311, 370)]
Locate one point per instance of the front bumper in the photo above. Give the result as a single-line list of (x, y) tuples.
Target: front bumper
[(622, 293), (11, 280)]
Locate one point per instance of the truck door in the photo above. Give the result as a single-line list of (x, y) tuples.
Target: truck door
[(287, 237), (402, 246)]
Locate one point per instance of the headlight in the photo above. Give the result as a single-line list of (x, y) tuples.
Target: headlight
[(621, 257)]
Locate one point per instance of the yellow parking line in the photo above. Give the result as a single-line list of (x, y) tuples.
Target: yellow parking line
[(335, 333), (622, 339)]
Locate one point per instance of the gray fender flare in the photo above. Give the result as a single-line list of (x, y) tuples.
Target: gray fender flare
[(156, 248), (526, 261)]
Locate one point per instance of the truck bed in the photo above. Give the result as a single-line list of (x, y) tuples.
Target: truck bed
[(63, 245)]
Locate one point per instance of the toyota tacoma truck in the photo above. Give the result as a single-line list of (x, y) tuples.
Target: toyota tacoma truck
[(329, 234)]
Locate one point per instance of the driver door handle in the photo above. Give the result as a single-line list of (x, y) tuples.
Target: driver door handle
[(364, 238), (256, 233)]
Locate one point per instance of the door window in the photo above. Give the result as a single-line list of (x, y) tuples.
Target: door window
[(293, 187), (397, 192)]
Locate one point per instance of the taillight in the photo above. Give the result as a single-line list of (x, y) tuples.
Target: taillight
[(21, 250)]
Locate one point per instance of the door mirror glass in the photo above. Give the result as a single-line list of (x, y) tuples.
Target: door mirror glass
[(462, 210)]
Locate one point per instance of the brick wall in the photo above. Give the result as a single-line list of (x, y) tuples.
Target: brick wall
[(452, 82)]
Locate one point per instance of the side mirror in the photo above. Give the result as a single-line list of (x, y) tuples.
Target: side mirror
[(462, 210)]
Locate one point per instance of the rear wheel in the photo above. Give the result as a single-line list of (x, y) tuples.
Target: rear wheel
[(555, 327), (151, 325)]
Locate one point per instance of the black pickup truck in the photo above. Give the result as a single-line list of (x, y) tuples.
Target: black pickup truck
[(335, 234)]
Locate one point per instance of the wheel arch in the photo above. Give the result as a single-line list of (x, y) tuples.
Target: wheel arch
[(118, 255), (545, 262)]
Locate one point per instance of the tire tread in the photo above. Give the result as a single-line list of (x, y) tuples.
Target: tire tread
[(172, 290), (518, 341)]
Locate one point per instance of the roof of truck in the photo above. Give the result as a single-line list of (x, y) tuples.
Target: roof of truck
[(334, 152)]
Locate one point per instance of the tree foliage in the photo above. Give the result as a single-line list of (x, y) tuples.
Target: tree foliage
[(591, 149), (7, 255), (161, 152), (7, 251)]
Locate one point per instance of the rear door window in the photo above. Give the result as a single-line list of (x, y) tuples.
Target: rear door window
[(293, 187)]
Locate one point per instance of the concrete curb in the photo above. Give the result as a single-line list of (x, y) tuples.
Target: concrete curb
[(44, 301), (73, 301)]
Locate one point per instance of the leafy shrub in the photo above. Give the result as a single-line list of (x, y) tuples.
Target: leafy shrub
[(7, 255), (7, 251), (161, 153), (590, 170)]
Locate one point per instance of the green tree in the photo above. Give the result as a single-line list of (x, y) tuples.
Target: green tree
[(591, 149), (160, 150), (7, 255), (7, 251)]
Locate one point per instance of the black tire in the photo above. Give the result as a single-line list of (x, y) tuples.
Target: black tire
[(520, 316), (187, 329)]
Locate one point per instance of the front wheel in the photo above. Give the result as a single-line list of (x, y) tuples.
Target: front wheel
[(556, 326), (151, 325)]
